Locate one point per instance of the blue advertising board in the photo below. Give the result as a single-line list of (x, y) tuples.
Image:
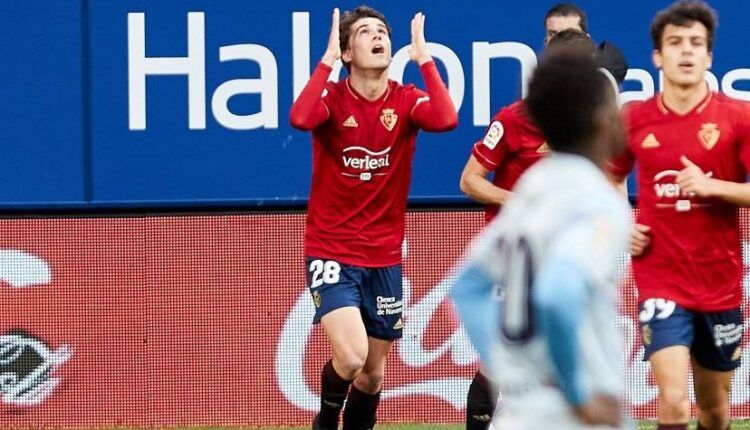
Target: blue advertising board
[(42, 119), (114, 103)]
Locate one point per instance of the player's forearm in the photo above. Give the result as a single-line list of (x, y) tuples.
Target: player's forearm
[(471, 295), (329, 59), (309, 110), (437, 113), (480, 189), (559, 299), (732, 192)]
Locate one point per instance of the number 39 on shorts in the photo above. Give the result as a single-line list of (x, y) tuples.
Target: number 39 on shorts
[(659, 308), (324, 272)]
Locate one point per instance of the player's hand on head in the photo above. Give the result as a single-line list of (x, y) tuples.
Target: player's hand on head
[(639, 239), (333, 50), (692, 180), (600, 410), (418, 49)]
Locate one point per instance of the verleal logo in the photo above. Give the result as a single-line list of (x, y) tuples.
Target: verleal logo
[(27, 368), (669, 193), (362, 162)]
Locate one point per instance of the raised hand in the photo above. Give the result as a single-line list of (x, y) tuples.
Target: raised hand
[(333, 51), (692, 180), (418, 49)]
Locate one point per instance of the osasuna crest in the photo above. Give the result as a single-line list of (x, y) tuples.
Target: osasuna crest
[(709, 135), (27, 367), (317, 300), (388, 118)]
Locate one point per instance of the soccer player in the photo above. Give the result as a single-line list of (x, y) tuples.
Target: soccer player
[(693, 151), (552, 251), (563, 16), (511, 144), (364, 129)]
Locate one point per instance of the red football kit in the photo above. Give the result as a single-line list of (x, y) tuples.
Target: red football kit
[(511, 144), (362, 155), (695, 255)]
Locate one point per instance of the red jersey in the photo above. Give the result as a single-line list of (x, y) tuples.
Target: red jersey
[(511, 144), (695, 256), (362, 155)]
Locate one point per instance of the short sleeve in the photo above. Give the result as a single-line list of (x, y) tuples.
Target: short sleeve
[(497, 141)]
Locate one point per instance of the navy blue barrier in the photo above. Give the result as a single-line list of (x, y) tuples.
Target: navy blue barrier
[(124, 103)]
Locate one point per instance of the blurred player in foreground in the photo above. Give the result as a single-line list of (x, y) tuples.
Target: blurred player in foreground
[(510, 145), (692, 147), (552, 252), (364, 129)]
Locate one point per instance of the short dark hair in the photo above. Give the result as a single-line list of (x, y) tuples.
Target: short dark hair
[(683, 14), (568, 9), (574, 40), (566, 93), (349, 18)]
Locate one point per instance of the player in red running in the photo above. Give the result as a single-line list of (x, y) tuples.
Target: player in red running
[(364, 129), (692, 147)]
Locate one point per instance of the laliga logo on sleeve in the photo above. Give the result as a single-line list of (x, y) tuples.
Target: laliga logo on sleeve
[(494, 134)]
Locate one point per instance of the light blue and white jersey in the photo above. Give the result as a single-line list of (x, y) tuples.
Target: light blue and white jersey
[(552, 256)]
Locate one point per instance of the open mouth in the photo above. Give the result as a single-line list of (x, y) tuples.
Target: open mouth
[(378, 49), (686, 66)]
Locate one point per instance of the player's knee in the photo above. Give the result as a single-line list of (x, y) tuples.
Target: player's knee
[(349, 365), (674, 402), (371, 381), (714, 417)]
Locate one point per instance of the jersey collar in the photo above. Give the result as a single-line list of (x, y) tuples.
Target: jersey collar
[(358, 97), (697, 109)]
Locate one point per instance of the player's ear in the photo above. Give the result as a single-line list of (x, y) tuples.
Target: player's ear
[(657, 59), (710, 60), (346, 56)]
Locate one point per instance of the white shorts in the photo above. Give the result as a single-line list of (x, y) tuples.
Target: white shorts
[(544, 407)]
